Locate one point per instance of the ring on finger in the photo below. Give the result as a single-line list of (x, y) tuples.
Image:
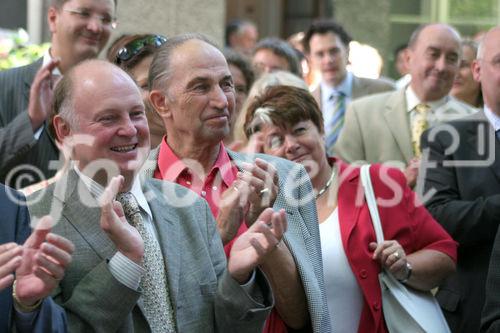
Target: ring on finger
[(396, 255), (263, 192)]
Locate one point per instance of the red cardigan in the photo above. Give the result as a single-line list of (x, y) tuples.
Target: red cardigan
[(406, 221)]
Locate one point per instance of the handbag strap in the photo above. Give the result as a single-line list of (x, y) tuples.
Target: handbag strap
[(372, 202)]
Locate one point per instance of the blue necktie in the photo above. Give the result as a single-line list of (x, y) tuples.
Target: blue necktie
[(337, 121)]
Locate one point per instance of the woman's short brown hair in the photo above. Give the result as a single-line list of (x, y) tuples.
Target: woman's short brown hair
[(283, 106)]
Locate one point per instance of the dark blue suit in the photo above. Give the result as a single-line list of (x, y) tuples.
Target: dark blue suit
[(15, 227)]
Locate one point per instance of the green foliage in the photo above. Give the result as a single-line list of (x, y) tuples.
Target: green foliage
[(15, 50)]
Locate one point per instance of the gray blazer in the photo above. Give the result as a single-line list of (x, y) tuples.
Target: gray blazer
[(17, 143), (302, 237), (204, 297)]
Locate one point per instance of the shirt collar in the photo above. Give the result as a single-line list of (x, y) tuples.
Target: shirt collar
[(345, 87), (412, 100), (493, 118), (46, 59), (97, 190), (171, 167)]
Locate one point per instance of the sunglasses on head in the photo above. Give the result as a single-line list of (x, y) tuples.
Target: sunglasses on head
[(134, 47)]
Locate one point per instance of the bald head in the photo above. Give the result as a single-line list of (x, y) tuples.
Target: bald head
[(82, 79), (486, 69), (433, 58)]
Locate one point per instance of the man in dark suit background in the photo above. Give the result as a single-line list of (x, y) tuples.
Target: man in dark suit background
[(80, 30), (32, 310), (463, 177)]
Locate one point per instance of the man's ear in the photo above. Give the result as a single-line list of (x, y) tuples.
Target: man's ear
[(159, 102), (61, 128), (52, 16), (476, 70)]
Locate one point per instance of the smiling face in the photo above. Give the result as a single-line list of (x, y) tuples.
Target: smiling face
[(330, 56), (199, 99), (434, 61), (108, 109), (77, 31), (301, 143)]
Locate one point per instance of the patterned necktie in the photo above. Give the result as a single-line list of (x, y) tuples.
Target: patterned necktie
[(154, 283), (337, 121), (419, 125)]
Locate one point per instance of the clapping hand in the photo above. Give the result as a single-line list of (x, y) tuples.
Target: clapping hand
[(252, 247), (41, 94), (125, 237), (45, 257), (262, 181)]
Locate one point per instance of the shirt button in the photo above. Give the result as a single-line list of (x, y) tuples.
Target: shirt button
[(214, 188), (188, 182), (363, 274), (203, 193), (376, 306)]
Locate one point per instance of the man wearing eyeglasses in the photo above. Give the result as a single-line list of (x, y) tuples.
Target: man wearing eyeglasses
[(28, 153)]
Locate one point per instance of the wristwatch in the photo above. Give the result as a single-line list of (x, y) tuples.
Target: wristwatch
[(409, 270)]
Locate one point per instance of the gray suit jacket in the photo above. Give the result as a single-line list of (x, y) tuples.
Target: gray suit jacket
[(302, 237), (204, 297), (377, 129), (360, 87), (18, 146)]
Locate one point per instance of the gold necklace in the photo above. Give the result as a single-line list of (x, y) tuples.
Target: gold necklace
[(327, 185)]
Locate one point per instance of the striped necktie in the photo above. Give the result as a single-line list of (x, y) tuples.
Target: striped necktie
[(419, 125), (337, 121), (154, 283)]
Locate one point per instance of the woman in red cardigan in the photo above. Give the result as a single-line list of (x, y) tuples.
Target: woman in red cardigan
[(418, 251)]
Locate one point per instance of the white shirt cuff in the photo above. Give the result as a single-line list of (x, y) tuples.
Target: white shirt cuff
[(126, 271)]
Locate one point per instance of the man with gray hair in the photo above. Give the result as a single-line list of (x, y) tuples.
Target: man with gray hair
[(192, 90), (147, 257), (80, 30)]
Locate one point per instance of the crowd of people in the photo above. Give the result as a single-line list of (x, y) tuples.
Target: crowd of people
[(177, 186)]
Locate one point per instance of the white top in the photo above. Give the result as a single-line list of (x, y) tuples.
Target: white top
[(344, 297)]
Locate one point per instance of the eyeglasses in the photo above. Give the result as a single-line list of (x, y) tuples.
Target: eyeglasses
[(85, 14), (136, 46)]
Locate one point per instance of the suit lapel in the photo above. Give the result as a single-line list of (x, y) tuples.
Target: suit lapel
[(487, 134), (358, 88), (397, 120), (348, 209), (81, 210), (167, 224)]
